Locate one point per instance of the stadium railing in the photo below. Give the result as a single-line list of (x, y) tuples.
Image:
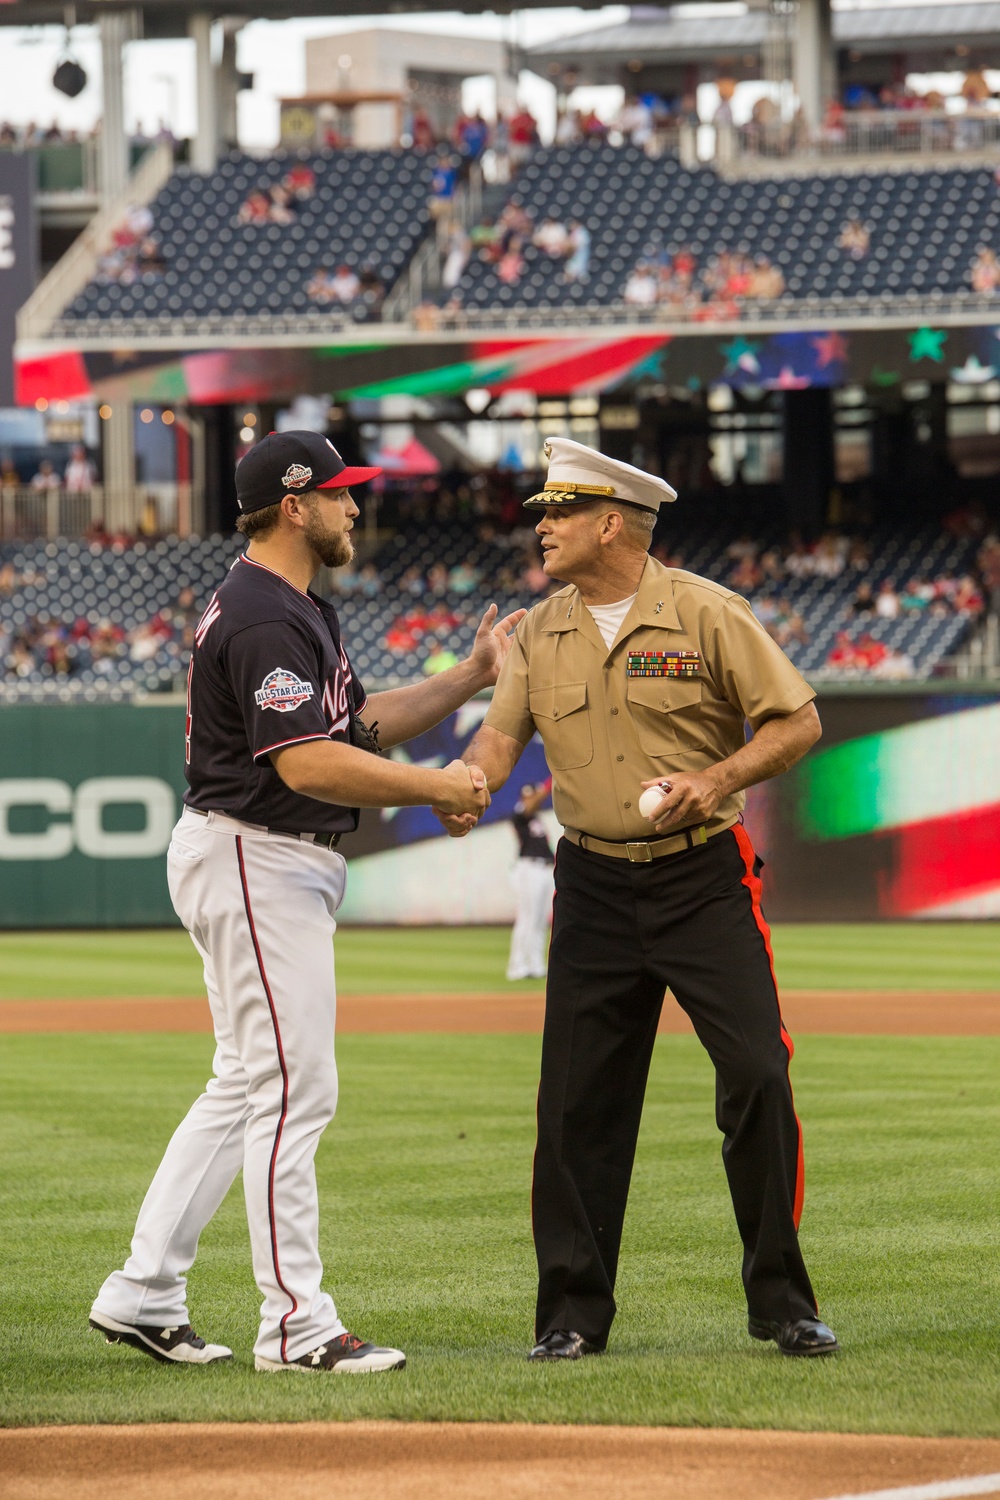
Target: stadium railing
[(888, 308), (863, 135)]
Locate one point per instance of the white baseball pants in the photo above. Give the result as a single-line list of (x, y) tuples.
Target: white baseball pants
[(260, 909), (534, 886)]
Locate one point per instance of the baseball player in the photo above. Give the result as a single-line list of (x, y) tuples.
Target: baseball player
[(640, 676), (278, 764), (531, 878)]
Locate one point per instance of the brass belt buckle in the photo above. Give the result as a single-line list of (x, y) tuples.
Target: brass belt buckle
[(639, 853)]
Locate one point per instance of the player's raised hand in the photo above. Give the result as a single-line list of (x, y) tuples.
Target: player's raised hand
[(464, 790), (493, 641)]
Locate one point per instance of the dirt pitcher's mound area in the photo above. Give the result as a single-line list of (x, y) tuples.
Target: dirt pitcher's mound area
[(451, 1461), (847, 1012)]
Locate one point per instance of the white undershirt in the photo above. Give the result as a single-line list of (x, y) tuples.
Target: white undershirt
[(609, 617)]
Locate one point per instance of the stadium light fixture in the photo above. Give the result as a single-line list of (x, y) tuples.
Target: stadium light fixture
[(146, 415), (104, 412), (166, 417), (41, 404)]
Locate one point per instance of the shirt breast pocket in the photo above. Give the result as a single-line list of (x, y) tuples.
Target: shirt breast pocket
[(667, 714), (561, 718)]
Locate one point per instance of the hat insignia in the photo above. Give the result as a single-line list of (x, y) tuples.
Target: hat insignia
[(296, 477)]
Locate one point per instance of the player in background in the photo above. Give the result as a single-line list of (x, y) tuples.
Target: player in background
[(533, 885), (278, 762)]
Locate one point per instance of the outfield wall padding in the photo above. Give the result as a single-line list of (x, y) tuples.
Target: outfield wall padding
[(896, 813)]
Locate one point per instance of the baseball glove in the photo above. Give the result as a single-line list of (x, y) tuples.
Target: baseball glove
[(365, 737)]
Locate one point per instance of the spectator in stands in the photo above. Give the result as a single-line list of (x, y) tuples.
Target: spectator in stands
[(917, 595), (552, 238), (473, 136), (887, 601), (641, 289), (426, 316), (578, 265), (10, 479), (281, 205), (593, 128), (863, 603), (984, 273), (766, 280), (522, 130), (372, 286), (443, 184), (424, 135), (80, 472), (464, 578), (300, 181), (256, 208), (441, 658), (568, 132), (458, 248), (968, 598), (8, 136), (46, 477), (855, 238), (511, 263), (484, 236), (319, 287), (344, 285), (636, 122)]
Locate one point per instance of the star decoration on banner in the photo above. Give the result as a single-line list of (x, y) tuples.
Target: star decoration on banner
[(741, 354), (973, 373), (884, 377), (926, 343), (789, 381), (831, 348)]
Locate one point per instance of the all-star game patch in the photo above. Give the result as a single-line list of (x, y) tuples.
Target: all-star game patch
[(663, 664)]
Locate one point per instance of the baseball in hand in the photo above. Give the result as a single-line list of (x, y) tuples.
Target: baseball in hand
[(652, 797)]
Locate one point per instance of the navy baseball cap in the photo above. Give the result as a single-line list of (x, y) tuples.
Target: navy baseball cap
[(284, 463)]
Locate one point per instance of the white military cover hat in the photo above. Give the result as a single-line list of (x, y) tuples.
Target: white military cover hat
[(578, 475)]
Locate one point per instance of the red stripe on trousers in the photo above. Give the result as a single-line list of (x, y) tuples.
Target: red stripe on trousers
[(753, 885), (284, 1101)]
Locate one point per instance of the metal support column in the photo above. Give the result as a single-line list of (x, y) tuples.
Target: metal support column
[(120, 497), (117, 27), (814, 59), (205, 146)]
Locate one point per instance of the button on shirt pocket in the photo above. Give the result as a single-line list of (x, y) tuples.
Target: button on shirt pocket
[(561, 718), (667, 714)]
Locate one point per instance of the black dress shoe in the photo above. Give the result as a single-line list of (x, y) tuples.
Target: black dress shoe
[(803, 1337), (563, 1343)]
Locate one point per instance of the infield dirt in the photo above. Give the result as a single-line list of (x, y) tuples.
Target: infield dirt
[(824, 1012), (474, 1461)]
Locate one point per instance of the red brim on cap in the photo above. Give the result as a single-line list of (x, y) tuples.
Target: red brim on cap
[(347, 477)]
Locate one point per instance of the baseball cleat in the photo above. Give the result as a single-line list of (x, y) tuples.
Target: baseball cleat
[(178, 1345), (345, 1355)]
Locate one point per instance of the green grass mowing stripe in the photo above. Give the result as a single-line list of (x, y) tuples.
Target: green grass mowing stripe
[(63, 965), (424, 1181)]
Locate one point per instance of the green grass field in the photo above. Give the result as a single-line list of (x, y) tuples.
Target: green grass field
[(424, 1180), (424, 1184), (66, 965)]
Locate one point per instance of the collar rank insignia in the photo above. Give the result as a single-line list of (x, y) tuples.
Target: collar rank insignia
[(663, 664)]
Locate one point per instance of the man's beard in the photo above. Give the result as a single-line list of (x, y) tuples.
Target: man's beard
[(333, 548)]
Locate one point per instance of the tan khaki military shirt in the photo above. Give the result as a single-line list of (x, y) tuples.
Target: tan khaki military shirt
[(606, 728)]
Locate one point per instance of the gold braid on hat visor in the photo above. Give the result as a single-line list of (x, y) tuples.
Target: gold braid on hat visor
[(568, 492)]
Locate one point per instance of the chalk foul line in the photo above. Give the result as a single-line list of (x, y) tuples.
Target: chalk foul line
[(945, 1489)]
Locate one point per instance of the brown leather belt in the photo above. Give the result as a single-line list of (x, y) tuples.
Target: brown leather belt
[(637, 851)]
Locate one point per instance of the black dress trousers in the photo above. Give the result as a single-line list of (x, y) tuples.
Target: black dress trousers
[(621, 934)]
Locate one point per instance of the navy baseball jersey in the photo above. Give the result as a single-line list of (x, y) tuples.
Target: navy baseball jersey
[(531, 836), (267, 670)]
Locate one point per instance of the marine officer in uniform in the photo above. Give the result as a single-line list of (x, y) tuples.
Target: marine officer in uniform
[(635, 676)]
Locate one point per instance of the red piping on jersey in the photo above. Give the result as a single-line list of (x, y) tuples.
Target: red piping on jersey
[(273, 571), (302, 739), (284, 1101), (753, 885)]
